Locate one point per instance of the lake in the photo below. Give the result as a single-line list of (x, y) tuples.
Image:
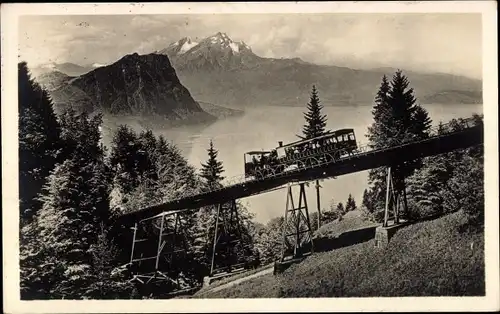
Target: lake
[(262, 129)]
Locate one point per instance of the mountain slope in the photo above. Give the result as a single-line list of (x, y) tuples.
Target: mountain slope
[(52, 80), (134, 85), (137, 84), (425, 259), (219, 70)]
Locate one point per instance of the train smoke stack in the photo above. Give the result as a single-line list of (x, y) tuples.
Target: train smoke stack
[(280, 143)]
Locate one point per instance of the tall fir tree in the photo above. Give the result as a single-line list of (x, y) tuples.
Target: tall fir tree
[(397, 119), (39, 141), (74, 204), (212, 170), (315, 126), (315, 120)]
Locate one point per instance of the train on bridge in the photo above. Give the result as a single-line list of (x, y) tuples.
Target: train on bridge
[(299, 154)]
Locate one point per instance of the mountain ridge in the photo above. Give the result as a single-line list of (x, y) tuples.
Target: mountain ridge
[(242, 78)]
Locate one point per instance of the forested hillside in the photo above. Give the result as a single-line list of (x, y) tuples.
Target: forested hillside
[(72, 188)]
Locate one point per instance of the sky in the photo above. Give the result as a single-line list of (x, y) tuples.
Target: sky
[(439, 42)]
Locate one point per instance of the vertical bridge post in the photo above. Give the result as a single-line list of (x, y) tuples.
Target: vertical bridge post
[(297, 232), (394, 200), (318, 203)]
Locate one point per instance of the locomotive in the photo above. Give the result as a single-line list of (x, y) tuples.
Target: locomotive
[(302, 153)]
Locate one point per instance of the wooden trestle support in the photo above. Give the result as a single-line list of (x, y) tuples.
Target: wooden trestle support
[(158, 244), (297, 232), (394, 201)]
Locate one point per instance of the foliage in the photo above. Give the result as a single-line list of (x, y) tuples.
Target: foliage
[(465, 189), (39, 144), (340, 210), (74, 203), (449, 181), (212, 170), (269, 240), (56, 259), (331, 214), (107, 283), (350, 204), (367, 205), (315, 120), (397, 119)]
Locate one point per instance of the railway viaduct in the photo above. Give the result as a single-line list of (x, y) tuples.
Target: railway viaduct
[(297, 234)]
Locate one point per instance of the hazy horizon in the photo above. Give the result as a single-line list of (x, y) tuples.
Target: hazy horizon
[(439, 42)]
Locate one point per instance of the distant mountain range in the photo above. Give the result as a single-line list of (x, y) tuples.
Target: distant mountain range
[(68, 68), (219, 70)]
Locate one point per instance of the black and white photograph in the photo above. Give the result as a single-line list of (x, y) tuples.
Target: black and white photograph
[(315, 153)]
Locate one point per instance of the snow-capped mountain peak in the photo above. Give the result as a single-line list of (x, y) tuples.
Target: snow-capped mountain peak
[(234, 47), (221, 39), (179, 47), (212, 52), (188, 44)]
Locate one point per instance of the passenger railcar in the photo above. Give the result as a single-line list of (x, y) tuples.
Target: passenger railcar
[(324, 148)]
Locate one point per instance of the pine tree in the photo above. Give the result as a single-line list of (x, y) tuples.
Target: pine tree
[(350, 204), (211, 171), (315, 120), (314, 127), (397, 119), (39, 144)]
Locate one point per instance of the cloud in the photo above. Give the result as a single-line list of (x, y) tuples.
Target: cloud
[(430, 42)]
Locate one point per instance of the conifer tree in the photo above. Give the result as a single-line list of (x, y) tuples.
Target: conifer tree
[(367, 203), (397, 119), (39, 144), (74, 204), (340, 210), (212, 170), (315, 120), (350, 204), (315, 126)]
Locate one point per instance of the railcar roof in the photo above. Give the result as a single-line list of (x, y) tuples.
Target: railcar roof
[(327, 134), (257, 152)]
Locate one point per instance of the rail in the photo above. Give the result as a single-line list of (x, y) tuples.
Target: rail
[(321, 157)]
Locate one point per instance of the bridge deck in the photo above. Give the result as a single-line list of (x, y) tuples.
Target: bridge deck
[(434, 145)]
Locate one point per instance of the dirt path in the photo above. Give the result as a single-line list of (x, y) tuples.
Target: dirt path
[(240, 280)]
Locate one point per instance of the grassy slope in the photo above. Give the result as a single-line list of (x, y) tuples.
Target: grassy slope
[(426, 259)]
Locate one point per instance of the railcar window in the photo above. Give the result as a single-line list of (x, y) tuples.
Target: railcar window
[(351, 136), (339, 138), (345, 137)]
